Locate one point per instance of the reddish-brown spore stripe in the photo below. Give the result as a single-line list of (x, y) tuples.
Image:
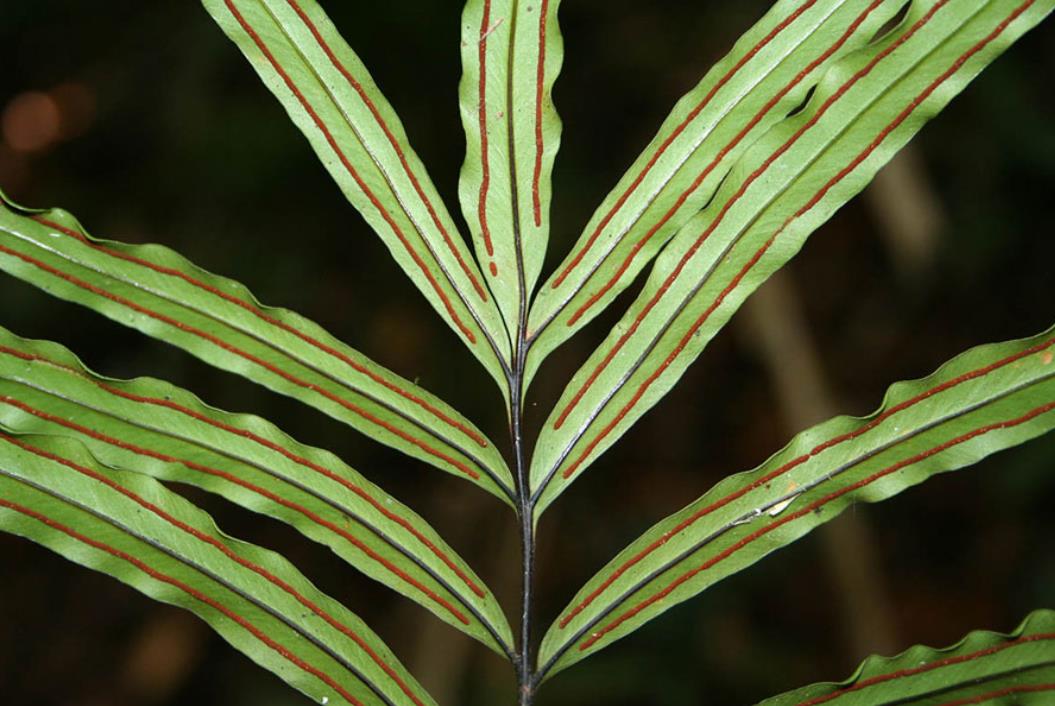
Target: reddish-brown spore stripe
[(722, 153), (676, 272), (266, 51), (1000, 693), (245, 355), (395, 570), (913, 671), (230, 554), (192, 592), (330, 350), (810, 204), (905, 113), (540, 80), (272, 446), (485, 159), (643, 388), (765, 41), (757, 256), (732, 549), (788, 466), (372, 107)]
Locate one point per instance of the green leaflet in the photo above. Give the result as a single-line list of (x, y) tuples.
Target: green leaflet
[(984, 667), (987, 399), (782, 189), (329, 94), (131, 527), (782, 132), (767, 74), (511, 54), (158, 292), (157, 429)]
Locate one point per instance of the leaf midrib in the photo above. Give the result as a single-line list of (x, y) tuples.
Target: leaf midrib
[(391, 187), (654, 342), (789, 465), (303, 384), (308, 514), (246, 434), (617, 239), (716, 534), (980, 681), (208, 573), (326, 500)]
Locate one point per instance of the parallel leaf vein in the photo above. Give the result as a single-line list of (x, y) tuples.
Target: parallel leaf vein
[(792, 464), (273, 321), (224, 345), (346, 163), (596, 636), (263, 492), (271, 446), (226, 551)]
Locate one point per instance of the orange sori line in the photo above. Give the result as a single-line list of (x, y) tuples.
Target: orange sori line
[(632, 329), (230, 554), (277, 448), (245, 355), (905, 113), (818, 504), (351, 170), (751, 124), (577, 463), (788, 466), (765, 41), (485, 165), (1007, 691), (192, 592), (343, 357), (395, 570), (357, 86), (913, 671), (540, 79)]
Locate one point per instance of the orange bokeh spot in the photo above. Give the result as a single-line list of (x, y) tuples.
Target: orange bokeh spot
[(31, 122)]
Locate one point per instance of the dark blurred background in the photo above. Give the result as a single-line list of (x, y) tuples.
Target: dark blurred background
[(145, 122)]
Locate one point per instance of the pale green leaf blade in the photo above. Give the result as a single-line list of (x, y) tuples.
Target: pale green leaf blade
[(784, 187), (987, 399), (768, 73), (154, 428), (329, 94), (158, 292), (131, 527), (511, 54), (983, 668)]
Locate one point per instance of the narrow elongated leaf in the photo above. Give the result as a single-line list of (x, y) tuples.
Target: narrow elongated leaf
[(511, 54), (987, 399), (784, 187), (154, 290), (129, 526), (767, 74), (331, 97), (155, 428), (984, 667)]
